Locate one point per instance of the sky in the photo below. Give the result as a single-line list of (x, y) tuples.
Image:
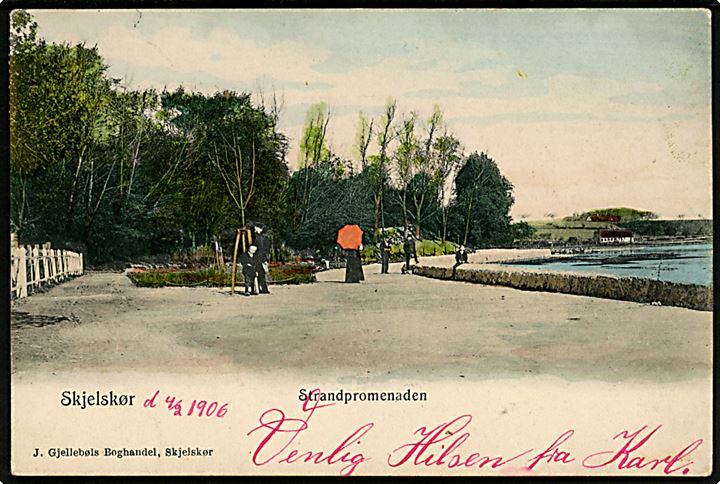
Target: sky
[(580, 109)]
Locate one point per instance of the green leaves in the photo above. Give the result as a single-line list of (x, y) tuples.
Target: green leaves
[(123, 171), (313, 145), (58, 94), (237, 152), (480, 213)]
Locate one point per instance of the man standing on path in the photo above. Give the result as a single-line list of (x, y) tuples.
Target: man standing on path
[(409, 248), (384, 255), (249, 269), (263, 255)]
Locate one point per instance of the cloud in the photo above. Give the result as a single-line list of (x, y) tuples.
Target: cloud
[(605, 121), (221, 54)]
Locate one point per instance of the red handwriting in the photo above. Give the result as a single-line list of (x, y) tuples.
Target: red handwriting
[(283, 430), (626, 457), (441, 446), (199, 408), (553, 454), (431, 449)]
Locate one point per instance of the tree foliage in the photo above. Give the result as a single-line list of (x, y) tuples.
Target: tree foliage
[(118, 172), (480, 212), (625, 214)]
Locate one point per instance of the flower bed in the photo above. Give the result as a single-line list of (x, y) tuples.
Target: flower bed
[(174, 277), (279, 274), (291, 273)]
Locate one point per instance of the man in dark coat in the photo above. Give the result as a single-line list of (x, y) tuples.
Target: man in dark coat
[(248, 262), (263, 255), (384, 255), (409, 248), (461, 257)]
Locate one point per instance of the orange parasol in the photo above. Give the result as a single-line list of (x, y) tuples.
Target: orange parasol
[(350, 237)]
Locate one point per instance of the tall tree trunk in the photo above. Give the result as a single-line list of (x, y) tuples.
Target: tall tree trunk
[(20, 206), (418, 214), (445, 224), (77, 174), (377, 214), (382, 211), (132, 171), (92, 181), (404, 208), (467, 223)]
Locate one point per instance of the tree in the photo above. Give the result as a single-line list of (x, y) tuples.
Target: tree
[(120, 172), (315, 160), (59, 123), (240, 182), (423, 192), (448, 155), (406, 157), (480, 212), (379, 164), (233, 168), (522, 230), (340, 198), (363, 136), (313, 145), (425, 164)]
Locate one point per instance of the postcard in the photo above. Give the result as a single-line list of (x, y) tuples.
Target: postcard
[(458, 242)]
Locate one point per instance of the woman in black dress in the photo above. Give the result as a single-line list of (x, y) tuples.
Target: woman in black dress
[(353, 267)]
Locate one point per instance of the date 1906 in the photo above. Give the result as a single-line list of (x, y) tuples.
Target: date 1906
[(199, 408)]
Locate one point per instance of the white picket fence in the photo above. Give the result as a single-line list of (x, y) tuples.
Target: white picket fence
[(33, 267)]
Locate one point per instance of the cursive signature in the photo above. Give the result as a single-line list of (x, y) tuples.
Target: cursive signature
[(443, 445), (628, 455)]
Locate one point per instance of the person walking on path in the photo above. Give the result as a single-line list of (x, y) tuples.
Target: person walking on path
[(248, 262), (353, 267), (461, 257), (349, 238), (410, 252), (384, 255), (263, 255)]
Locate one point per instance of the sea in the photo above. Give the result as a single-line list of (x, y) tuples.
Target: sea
[(681, 263)]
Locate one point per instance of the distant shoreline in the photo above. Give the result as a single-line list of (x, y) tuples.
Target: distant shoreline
[(638, 245)]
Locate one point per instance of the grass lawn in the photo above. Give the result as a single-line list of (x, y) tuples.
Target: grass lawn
[(424, 248)]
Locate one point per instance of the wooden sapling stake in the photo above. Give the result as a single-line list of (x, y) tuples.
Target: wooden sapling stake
[(234, 264)]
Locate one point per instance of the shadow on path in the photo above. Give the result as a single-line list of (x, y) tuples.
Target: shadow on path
[(22, 318)]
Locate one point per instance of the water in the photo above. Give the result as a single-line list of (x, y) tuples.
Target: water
[(687, 264)]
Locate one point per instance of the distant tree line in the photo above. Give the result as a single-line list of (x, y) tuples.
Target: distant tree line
[(660, 228), (119, 173), (623, 213)]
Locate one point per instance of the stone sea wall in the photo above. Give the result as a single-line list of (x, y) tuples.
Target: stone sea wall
[(692, 296)]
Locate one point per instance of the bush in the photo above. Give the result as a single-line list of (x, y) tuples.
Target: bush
[(428, 248), (370, 254)]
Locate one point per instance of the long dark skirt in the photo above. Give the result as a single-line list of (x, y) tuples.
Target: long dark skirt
[(353, 268)]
